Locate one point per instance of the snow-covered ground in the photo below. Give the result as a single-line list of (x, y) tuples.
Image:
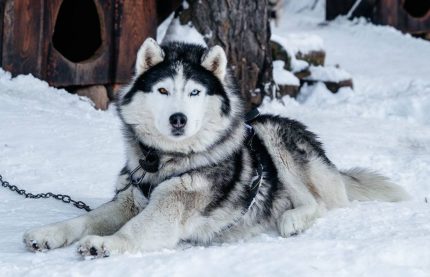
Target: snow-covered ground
[(53, 141)]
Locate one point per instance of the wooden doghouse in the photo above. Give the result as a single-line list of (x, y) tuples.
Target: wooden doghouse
[(74, 42), (411, 16)]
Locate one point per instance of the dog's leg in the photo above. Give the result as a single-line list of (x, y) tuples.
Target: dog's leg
[(306, 207), (299, 219), (104, 220), (321, 189), (160, 225), (293, 176)]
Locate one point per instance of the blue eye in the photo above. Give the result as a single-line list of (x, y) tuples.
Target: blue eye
[(194, 92)]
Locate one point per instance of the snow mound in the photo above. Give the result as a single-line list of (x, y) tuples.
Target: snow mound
[(183, 33), (303, 43), (328, 74), (282, 76)]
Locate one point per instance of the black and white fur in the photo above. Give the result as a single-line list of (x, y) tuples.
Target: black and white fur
[(201, 190)]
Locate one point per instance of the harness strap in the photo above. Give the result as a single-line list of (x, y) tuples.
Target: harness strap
[(253, 144)]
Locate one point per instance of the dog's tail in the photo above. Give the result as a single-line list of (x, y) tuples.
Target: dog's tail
[(363, 185)]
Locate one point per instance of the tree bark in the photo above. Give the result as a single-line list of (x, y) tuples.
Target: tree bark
[(242, 28)]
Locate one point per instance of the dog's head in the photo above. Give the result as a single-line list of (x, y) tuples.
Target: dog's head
[(181, 98)]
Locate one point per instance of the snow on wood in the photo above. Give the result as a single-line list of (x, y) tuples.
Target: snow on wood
[(282, 76), (328, 73), (186, 33)]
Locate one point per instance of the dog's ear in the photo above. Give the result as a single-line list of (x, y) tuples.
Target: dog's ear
[(149, 54), (215, 61)]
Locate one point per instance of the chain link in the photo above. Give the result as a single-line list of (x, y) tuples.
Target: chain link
[(61, 197)]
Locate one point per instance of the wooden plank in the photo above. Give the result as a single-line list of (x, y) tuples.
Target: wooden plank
[(387, 13), (135, 21), (415, 24), (95, 70), (2, 6), (391, 12), (22, 23)]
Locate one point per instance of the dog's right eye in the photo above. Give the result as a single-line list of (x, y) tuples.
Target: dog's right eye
[(163, 91)]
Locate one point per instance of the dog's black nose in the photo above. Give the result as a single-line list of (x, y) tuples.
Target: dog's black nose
[(178, 120)]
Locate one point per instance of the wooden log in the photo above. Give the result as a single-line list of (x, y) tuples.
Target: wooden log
[(333, 77), (331, 86), (242, 28), (290, 90), (113, 91), (279, 53), (313, 57), (97, 94), (303, 74)]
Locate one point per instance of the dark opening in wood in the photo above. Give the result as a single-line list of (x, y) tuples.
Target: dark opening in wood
[(417, 8), (77, 34)]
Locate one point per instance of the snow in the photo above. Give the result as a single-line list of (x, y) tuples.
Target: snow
[(54, 141), (328, 74), (162, 28), (299, 42), (186, 33), (296, 65), (282, 76)]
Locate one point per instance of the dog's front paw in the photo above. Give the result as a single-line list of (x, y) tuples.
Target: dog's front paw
[(46, 238), (101, 247), (291, 223)]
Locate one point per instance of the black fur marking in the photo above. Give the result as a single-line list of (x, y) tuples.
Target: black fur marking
[(145, 81), (208, 80), (146, 189), (295, 134), (189, 56), (270, 176), (124, 171), (228, 180)]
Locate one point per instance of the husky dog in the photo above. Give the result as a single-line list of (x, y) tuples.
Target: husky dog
[(196, 172)]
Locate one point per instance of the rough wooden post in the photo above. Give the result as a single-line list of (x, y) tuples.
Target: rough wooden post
[(242, 28)]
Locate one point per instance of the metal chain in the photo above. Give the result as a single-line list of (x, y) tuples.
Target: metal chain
[(61, 197)]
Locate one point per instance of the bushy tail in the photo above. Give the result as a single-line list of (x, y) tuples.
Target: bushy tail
[(363, 185)]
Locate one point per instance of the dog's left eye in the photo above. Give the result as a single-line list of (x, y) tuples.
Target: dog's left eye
[(194, 92), (163, 91)]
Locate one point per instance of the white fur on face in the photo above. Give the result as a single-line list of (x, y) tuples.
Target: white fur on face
[(178, 100), (149, 114)]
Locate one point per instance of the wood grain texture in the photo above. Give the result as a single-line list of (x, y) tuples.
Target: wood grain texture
[(384, 12), (242, 28), (27, 27), (392, 12), (2, 6), (135, 21), (22, 24)]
